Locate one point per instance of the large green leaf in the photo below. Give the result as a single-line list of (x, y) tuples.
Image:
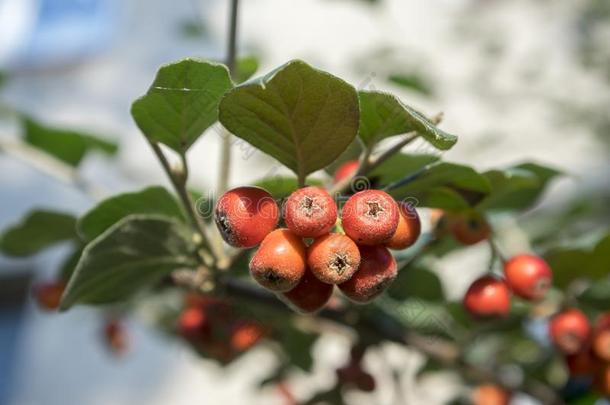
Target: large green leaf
[(303, 117), (38, 230), (445, 185), (152, 200), (66, 145), (129, 256), (517, 187), (416, 282), (400, 166), (383, 115), (182, 102), (571, 263)]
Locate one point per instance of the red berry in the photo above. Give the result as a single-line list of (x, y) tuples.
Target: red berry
[(376, 272), (470, 228), (408, 230), (193, 323), (490, 394), (279, 263), (569, 331), (245, 215), (370, 217), (528, 276), (487, 297), (333, 258), (245, 334), (346, 170), (48, 294), (116, 337), (310, 295), (601, 338), (310, 212)]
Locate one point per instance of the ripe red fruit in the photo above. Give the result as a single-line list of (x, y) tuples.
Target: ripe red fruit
[(116, 337), (488, 296), (193, 323), (408, 230), (490, 394), (370, 217), (279, 263), (601, 338), (470, 228), (245, 215), (528, 276), (310, 295), (245, 334), (376, 272), (569, 331), (310, 212), (48, 294), (346, 170), (333, 258)]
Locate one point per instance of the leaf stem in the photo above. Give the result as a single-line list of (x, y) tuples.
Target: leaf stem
[(179, 183)]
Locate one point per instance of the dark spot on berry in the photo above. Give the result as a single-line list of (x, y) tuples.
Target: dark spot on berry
[(309, 206), (374, 209), (339, 263)]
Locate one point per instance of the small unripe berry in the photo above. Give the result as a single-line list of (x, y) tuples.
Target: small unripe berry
[(48, 294), (310, 212), (245, 215), (310, 295), (245, 334), (408, 230), (279, 263), (528, 276), (333, 258), (370, 217), (569, 331), (470, 228), (601, 338), (346, 170), (376, 272), (488, 297), (490, 394)]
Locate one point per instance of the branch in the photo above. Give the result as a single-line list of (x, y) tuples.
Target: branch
[(385, 327)]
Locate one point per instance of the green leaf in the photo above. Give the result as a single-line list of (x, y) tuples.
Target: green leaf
[(182, 102), (400, 166), (297, 345), (416, 282), (66, 145), (419, 315), (518, 187), (246, 68), (597, 295), (571, 263), (132, 254), (152, 200), (70, 262), (303, 117), (281, 187), (383, 115), (411, 81), (37, 231), (445, 185)]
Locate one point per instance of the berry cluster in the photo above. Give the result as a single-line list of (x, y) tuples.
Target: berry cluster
[(525, 275), (586, 348), (303, 261), (212, 327)]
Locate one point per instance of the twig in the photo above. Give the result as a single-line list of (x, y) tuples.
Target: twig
[(225, 153), (51, 166)]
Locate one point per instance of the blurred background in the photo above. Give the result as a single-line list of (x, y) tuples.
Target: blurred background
[(516, 80)]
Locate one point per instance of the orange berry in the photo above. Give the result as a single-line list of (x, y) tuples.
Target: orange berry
[(333, 258)]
